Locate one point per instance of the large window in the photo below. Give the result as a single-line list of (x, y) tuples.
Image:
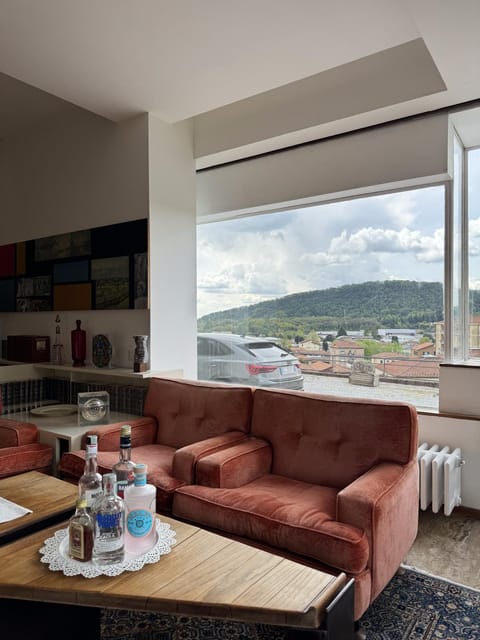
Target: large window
[(357, 281), (473, 176)]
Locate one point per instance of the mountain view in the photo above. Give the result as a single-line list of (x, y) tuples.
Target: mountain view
[(368, 306)]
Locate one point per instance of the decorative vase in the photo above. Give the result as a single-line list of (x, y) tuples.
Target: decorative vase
[(101, 351), (140, 357), (79, 345)]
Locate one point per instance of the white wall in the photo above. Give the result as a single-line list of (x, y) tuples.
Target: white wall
[(463, 433), (118, 325), (75, 172), (172, 250), (407, 151)]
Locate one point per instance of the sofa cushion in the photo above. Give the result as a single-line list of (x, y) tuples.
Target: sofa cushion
[(29, 457), (332, 441), (281, 513), (189, 411)]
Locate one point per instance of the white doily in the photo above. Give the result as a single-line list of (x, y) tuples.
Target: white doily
[(55, 554)]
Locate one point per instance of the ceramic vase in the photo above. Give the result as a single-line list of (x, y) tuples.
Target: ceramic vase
[(140, 358)]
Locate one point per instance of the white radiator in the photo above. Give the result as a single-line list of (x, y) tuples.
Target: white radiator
[(440, 477)]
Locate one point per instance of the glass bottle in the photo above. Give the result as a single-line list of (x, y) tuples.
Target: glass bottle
[(79, 345), (90, 484), (80, 533), (123, 469), (109, 527), (140, 502)]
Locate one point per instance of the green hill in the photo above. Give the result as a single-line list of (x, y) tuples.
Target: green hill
[(368, 306)]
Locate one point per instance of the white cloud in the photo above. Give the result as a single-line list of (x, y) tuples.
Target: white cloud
[(394, 236)]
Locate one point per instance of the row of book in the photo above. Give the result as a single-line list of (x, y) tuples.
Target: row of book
[(24, 395)]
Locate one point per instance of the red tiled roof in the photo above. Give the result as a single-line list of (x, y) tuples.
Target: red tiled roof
[(423, 346), (346, 344), (315, 366), (411, 369)]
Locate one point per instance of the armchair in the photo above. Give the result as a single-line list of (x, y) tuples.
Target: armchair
[(20, 450), (332, 482)]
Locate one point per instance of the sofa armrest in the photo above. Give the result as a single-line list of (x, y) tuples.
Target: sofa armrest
[(384, 503), (144, 431), (16, 434), (235, 466), (26, 457), (186, 458)]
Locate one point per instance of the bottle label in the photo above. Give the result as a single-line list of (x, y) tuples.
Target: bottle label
[(109, 520), (77, 538), (91, 496), (120, 486), (139, 522)]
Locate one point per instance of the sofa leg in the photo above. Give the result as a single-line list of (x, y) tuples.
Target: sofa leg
[(359, 633)]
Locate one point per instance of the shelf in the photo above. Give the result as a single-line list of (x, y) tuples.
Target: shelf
[(115, 372)]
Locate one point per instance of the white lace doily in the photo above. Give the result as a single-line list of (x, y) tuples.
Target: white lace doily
[(55, 554)]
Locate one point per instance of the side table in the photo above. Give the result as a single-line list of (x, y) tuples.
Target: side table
[(63, 433)]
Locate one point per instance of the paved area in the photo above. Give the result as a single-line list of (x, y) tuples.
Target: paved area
[(421, 397)]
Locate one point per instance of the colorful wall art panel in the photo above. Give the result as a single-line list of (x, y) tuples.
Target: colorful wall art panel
[(100, 268)]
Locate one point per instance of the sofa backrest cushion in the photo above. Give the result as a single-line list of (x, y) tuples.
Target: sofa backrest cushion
[(189, 411), (330, 440)]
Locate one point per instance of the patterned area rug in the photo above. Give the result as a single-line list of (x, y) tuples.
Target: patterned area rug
[(414, 606)]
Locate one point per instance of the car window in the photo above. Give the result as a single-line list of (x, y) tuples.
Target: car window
[(212, 348), (266, 350)]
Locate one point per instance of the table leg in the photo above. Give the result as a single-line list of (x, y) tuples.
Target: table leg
[(338, 623), (22, 619)]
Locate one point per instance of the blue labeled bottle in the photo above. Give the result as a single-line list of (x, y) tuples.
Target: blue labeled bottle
[(140, 502)]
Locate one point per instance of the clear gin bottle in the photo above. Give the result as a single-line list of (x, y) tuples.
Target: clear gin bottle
[(90, 484), (109, 532)]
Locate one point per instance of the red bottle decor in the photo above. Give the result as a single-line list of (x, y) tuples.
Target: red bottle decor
[(79, 345)]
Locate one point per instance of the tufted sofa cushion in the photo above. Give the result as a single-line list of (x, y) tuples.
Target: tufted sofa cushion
[(332, 441), (190, 411)]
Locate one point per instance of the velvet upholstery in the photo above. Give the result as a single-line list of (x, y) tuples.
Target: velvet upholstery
[(183, 421), (20, 450), (189, 411), (27, 457), (333, 480)]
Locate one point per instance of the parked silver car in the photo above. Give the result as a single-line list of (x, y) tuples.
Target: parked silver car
[(225, 357)]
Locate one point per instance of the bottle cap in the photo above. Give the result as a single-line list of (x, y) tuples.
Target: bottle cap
[(140, 468), (126, 430), (140, 471)]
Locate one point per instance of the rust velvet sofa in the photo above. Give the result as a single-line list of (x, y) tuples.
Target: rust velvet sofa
[(183, 421), (331, 482), (20, 450)]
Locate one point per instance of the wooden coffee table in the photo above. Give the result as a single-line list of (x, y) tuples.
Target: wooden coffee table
[(51, 500), (205, 574)]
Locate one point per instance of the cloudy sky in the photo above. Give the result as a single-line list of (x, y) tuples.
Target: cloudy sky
[(395, 236)]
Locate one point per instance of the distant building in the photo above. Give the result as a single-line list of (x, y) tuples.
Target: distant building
[(474, 337), (402, 335), (424, 349), (345, 351)]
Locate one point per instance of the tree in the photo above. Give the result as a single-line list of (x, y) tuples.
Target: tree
[(325, 345), (313, 337), (341, 331)]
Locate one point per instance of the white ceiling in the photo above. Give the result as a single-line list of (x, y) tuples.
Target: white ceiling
[(181, 58)]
